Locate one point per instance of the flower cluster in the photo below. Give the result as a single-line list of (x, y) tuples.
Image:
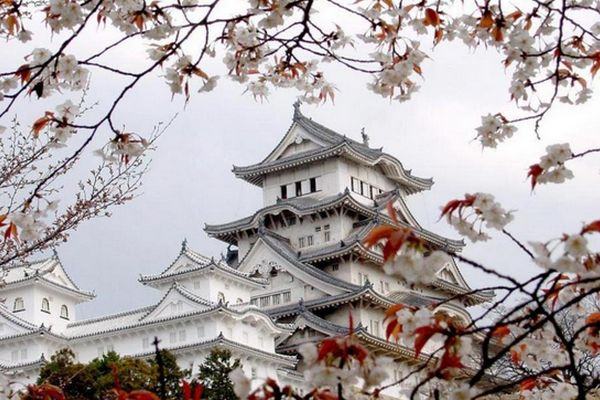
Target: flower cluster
[(472, 212), (573, 254), (405, 254), (494, 129), (416, 327), (551, 167), (123, 148), (46, 74), (396, 79)]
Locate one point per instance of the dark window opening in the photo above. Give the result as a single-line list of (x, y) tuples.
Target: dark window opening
[(313, 185), (299, 188), (284, 191)]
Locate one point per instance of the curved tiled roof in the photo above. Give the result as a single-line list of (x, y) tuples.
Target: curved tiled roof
[(335, 144), (222, 341), (309, 205), (19, 274), (175, 287), (365, 292), (6, 313), (289, 254), (135, 319)]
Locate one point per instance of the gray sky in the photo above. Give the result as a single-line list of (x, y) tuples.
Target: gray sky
[(190, 182)]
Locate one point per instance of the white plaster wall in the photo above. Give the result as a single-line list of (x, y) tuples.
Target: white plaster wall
[(326, 170), (32, 297)]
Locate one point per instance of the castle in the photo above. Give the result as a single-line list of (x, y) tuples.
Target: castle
[(294, 271)]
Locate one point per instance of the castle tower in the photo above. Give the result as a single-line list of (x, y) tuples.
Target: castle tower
[(322, 194)]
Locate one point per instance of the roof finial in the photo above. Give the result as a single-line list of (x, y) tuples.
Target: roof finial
[(365, 137), (296, 106), (184, 245)]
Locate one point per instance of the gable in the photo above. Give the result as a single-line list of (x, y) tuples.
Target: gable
[(450, 273), (296, 140), (183, 262), (262, 259), (174, 303), (58, 275)]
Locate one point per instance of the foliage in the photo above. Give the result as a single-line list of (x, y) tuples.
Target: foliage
[(214, 374), (97, 378)]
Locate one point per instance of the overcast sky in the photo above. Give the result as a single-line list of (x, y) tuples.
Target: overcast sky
[(190, 181)]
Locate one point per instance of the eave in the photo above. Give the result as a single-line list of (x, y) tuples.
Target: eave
[(255, 173), (41, 280)]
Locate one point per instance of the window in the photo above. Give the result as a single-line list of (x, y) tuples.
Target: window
[(318, 229), (309, 240), (145, 343), (364, 189), (335, 267), (276, 299), (287, 297), (221, 297), (313, 185), (299, 188), (327, 236), (64, 312), (196, 284), (387, 287), (265, 301), (254, 301), (14, 355), (200, 332), (253, 373), (372, 192), (45, 305), (19, 304), (301, 242), (182, 336), (284, 191), (109, 348), (23, 354), (173, 337), (354, 185)]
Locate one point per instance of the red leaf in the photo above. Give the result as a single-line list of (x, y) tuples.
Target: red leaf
[(392, 212), (423, 334), (501, 331), (487, 20), (41, 123), (431, 17), (535, 171), (591, 227), (378, 233), (142, 395), (23, 73), (528, 384)]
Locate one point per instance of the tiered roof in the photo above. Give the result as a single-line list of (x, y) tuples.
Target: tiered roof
[(304, 206), (328, 328), (333, 144), (191, 262)]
